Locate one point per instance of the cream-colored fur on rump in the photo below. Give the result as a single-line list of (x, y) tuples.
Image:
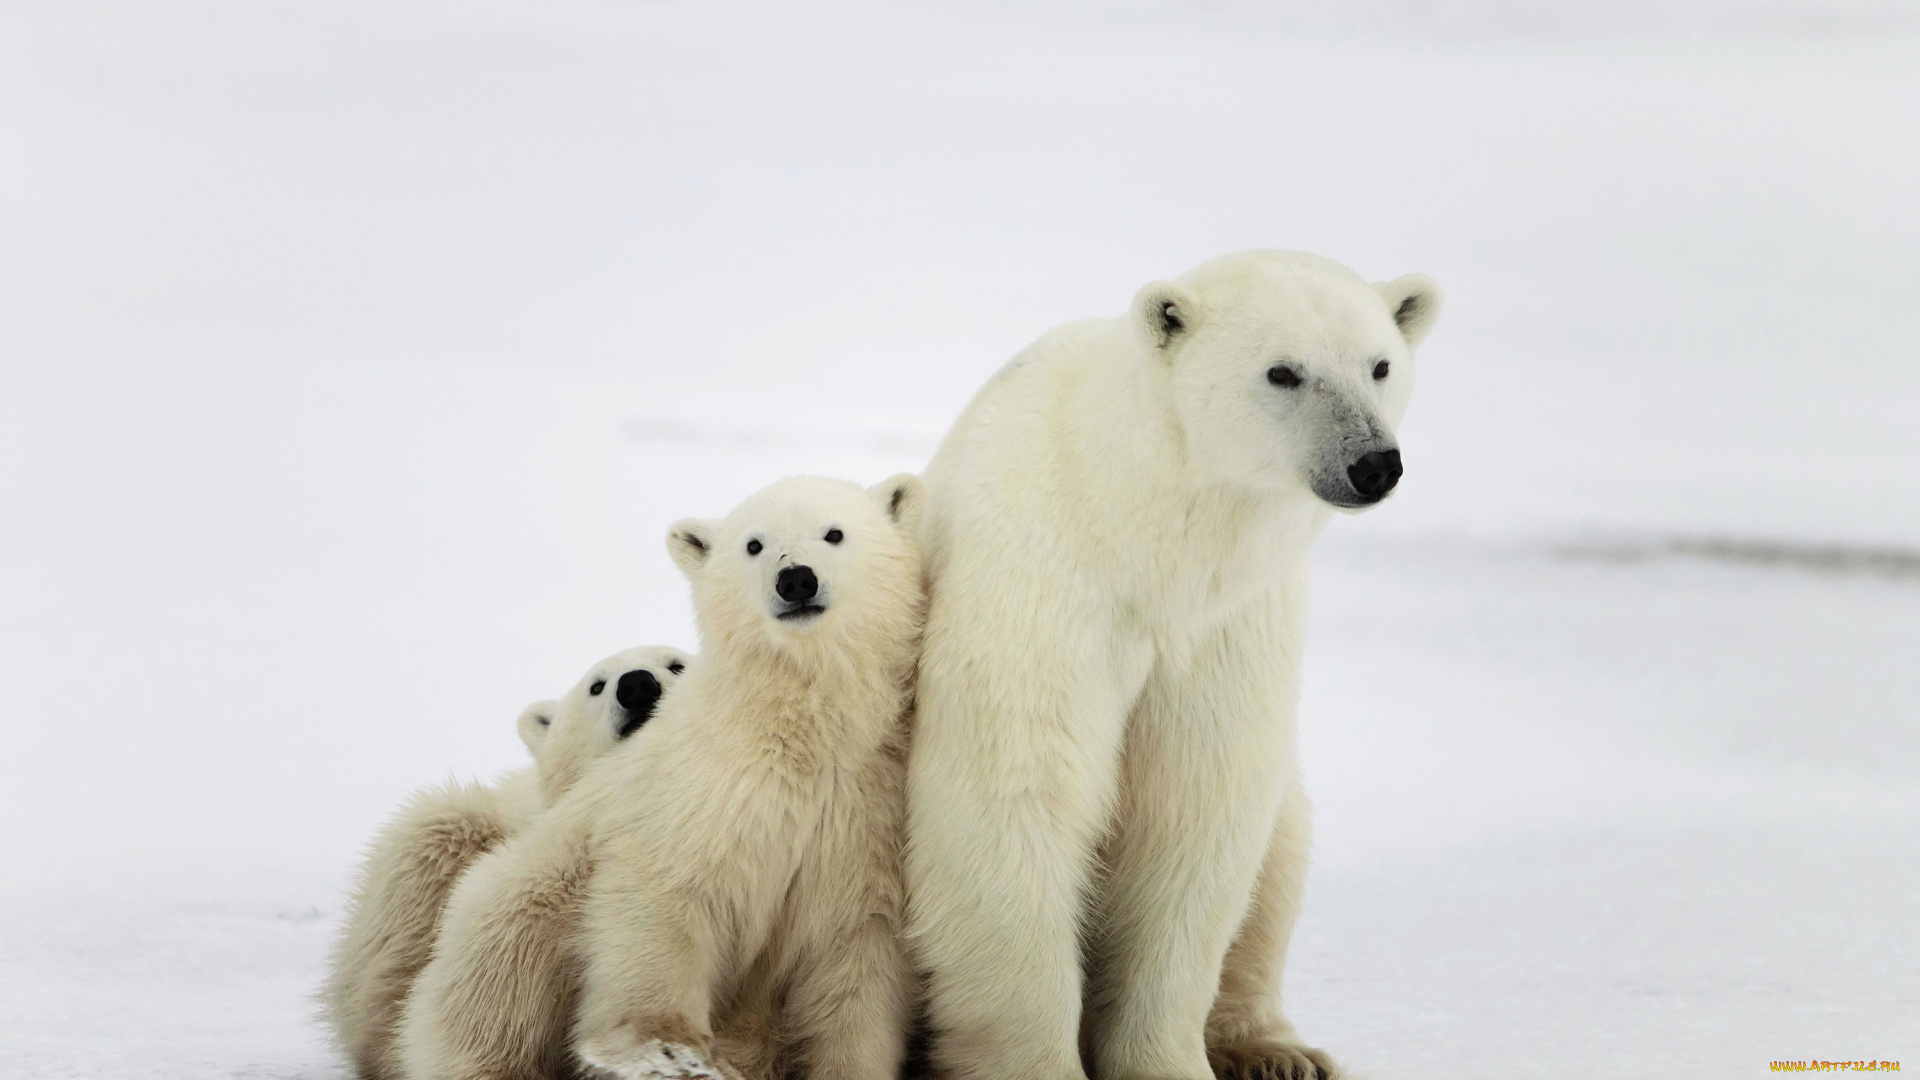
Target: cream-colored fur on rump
[(416, 858), (722, 896), (1108, 833)]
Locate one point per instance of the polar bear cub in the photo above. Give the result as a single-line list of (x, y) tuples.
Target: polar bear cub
[(414, 861), (607, 705), (722, 896)]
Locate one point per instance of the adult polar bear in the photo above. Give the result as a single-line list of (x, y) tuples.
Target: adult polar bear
[(1108, 831)]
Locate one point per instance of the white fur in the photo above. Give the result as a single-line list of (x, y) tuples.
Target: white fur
[(416, 859), (1108, 832), (587, 724), (728, 884), (662, 1060)]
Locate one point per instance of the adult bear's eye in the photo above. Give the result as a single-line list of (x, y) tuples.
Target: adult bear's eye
[(753, 547), (676, 667), (1283, 376), (834, 536), (599, 685), (1380, 370)]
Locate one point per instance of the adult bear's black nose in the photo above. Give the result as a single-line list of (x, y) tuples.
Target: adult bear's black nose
[(1375, 474), (637, 692), (796, 584)]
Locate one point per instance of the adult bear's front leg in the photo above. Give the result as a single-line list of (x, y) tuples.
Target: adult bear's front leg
[(1010, 784), (1209, 755), (1248, 1035)]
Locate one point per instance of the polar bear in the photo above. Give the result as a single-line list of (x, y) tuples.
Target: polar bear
[(414, 860), (1108, 833), (609, 703), (721, 897)]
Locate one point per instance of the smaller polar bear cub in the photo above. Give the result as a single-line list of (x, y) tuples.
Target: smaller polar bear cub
[(414, 861), (607, 705), (723, 896)]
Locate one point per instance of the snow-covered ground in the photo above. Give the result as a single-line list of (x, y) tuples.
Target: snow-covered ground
[(356, 356)]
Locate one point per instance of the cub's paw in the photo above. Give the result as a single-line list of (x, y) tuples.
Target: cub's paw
[(654, 1059), (1265, 1059), (662, 1060)]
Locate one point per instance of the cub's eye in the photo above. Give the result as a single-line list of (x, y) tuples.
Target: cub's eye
[(676, 667), (598, 685), (545, 721), (834, 536), (1380, 370), (1283, 376), (753, 547)]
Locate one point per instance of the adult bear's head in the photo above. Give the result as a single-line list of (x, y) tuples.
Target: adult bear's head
[(1288, 371)]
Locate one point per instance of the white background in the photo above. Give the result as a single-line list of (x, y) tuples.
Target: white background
[(356, 356)]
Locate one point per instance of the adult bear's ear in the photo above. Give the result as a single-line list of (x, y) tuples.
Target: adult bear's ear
[(1414, 302), (904, 498), (1163, 313), (536, 721), (690, 541)]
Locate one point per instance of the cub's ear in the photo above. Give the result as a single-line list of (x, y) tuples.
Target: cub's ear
[(536, 723), (1163, 313), (690, 541), (904, 498), (1414, 302)]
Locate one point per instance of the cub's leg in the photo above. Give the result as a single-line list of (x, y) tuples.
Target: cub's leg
[(750, 1025), (494, 1002), (683, 900), (1016, 754), (396, 911), (851, 996), (1248, 1036), (849, 1006), (1208, 758)]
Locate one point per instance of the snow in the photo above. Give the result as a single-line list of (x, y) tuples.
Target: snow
[(357, 355)]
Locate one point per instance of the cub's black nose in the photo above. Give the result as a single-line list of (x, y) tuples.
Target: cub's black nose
[(638, 692), (796, 584), (1375, 474)]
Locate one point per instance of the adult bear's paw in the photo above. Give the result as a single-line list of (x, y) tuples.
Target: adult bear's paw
[(1268, 1059)]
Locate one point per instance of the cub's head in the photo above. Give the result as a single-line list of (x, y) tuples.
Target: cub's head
[(808, 566), (1287, 371), (614, 699)]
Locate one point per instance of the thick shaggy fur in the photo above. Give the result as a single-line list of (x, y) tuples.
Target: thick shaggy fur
[(415, 860), (722, 896), (1108, 830), (395, 911)]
